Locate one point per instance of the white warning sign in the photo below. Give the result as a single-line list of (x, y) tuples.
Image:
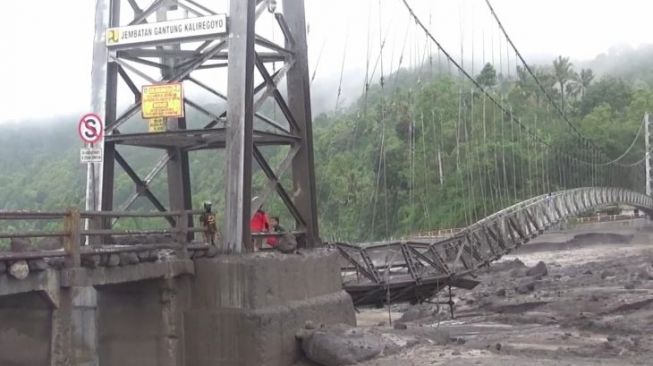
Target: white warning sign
[(90, 155), (151, 33)]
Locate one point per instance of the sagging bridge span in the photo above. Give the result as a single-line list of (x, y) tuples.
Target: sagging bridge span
[(413, 270)]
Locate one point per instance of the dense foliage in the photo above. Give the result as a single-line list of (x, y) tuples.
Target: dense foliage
[(379, 162)]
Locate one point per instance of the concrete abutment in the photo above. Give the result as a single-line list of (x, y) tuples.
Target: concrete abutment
[(235, 310)]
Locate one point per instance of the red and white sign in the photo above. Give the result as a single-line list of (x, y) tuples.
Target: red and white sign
[(90, 128)]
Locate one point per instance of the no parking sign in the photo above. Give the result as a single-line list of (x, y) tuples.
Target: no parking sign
[(90, 128)]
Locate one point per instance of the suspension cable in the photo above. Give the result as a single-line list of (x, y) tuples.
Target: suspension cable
[(502, 107), (632, 144), (549, 97)]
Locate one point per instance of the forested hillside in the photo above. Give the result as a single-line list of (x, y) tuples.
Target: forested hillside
[(395, 161)]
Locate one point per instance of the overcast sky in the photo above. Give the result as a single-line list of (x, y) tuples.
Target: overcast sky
[(47, 45)]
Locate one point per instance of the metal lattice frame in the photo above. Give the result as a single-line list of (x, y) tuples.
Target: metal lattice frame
[(422, 268), (234, 129)]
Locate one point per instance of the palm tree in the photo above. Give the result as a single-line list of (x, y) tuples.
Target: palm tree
[(548, 82), (578, 86), (584, 80), (563, 72)]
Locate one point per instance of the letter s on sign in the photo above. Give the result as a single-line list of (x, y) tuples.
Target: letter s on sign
[(92, 130)]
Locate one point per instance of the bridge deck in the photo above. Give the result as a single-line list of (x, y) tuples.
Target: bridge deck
[(48, 281)]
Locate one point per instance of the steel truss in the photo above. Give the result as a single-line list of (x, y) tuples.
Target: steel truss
[(247, 56), (416, 270)]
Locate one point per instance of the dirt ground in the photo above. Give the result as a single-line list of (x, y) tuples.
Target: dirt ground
[(593, 307)]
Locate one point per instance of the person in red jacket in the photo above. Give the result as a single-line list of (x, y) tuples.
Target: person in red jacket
[(259, 224)]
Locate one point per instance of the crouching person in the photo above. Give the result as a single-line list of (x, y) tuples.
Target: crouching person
[(284, 241)]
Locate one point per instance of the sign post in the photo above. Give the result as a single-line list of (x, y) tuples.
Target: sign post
[(91, 131)]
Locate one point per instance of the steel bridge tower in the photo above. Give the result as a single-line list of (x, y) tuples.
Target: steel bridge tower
[(239, 70)]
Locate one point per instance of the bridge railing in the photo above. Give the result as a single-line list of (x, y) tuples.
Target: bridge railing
[(63, 234), (18, 248)]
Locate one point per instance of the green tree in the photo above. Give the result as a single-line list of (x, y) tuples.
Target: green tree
[(488, 76), (609, 90), (563, 72)]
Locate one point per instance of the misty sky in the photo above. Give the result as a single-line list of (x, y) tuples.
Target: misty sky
[(46, 58)]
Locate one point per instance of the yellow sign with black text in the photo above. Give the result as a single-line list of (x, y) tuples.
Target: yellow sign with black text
[(162, 100)]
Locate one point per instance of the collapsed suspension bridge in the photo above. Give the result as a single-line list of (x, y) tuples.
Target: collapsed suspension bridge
[(478, 139), (474, 144)]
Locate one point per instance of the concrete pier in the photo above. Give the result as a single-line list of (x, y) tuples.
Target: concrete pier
[(141, 324), (246, 310)]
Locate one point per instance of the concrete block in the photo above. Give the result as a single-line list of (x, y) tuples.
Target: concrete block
[(246, 310), (266, 279), (262, 337)]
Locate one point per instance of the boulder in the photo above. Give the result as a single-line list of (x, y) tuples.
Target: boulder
[(19, 270), (56, 262), (417, 312), (287, 244), (341, 345), (91, 261), (145, 255), (507, 265), (436, 335), (517, 272), (128, 258), (525, 287), (113, 260), (37, 265), (539, 270), (400, 326)]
